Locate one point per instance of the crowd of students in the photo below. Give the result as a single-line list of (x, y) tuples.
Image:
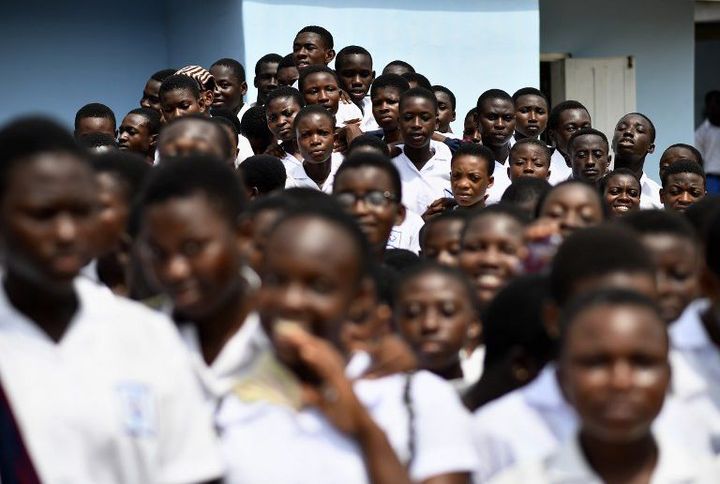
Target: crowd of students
[(329, 285)]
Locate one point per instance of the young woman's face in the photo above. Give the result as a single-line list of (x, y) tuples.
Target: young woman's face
[(442, 241), (281, 114), (622, 195), (469, 180), (614, 371)]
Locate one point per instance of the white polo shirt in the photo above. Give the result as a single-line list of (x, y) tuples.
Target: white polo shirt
[(312, 451), (567, 465), (422, 187), (368, 122), (649, 193), (115, 401), (407, 234), (302, 179)]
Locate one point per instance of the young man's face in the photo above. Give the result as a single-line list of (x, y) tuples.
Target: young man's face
[(114, 210), (229, 90), (589, 158), (192, 252), (356, 75), (441, 241), (446, 112), (469, 180), (151, 95), (134, 135), (266, 80), (671, 155), (281, 114), (385, 108), (181, 102), (367, 193), (315, 136), (632, 138), (617, 398), (309, 49), (471, 133), (496, 121), (287, 76), (569, 121), (418, 118), (622, 195), (529, 160), (531, 114), (90, 125), (682, 190), (48, 217), (574, 206), (322, 88)]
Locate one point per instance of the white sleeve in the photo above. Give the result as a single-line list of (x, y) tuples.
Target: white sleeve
[(443, 435)]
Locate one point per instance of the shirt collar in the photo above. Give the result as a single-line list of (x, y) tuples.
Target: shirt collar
[(688, 331), (544, 391)]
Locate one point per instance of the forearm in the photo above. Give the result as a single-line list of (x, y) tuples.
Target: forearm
[(383, 465)]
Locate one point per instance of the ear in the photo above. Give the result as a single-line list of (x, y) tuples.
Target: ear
[(651, 149), (508, 172), (453, 116), (254, 193), (153, 141), (547, 176), (609, 160), (662, 195), (255, 82), (243, 88), (401, 214), (561, 379), (373, 77), (206, 100), (329, 56), (523, 368), (491, 180)]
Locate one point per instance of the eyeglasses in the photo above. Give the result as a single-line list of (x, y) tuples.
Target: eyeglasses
[(374, 198)]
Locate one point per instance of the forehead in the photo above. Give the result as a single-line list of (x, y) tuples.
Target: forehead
[(634, 120), (178, 96), (438, 282), (589, 141), (282, 103), (418, 103), (320, 78), (362, 179), (355, 61), (531, 100), (493, 226), (469, 162), (442, 96), (222, 72), (187, 209), (529, 149), (575, 115), (135, 120), (633, 325), (678, 152), (315, 120), (310, 38), (445, 227), (268, 67), (623, 180), (48, 175), (95, 122), (152, 86), (683, 246), (193, 129), (495, 105), (685, 178), (573, 194), (386, 91)]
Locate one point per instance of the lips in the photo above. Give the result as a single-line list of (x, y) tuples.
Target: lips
[(622, 207), (431, 346), (302, 63), (591, 173)]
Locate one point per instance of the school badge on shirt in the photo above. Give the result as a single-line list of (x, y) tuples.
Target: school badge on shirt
[(137, 409)]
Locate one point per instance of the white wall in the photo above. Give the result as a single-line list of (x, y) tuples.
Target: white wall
[(661, 37), (467, 46)]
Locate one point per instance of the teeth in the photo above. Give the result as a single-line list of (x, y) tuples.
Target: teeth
[(287, 326), (622, 208), (489, 280)]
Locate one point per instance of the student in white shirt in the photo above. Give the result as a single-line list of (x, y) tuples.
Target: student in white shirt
[(440, 237), (337, 432), (620, 190), (319, 85), (230, 86), (354, 66), (138, 132), (633, 140), (614, 371), (282, 106), (564, 120), (240, 144), (424, 167), (446, 110), (496, 121), (101, 387), (189, 234), (531, 113), (315, 133)]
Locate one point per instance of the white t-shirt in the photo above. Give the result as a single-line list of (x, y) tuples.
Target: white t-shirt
[(407, 234), (368, 122), (421, 188), (314, 452), (568, 465), (649, 194), (707, 141), (115, 401), (347, 112), (303, 180)]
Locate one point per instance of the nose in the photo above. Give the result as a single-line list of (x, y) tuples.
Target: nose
[(686, 197), (315, 140), (489, 257), (291, 302), (176, 269), (430, 322), (123, 136), (529, 167), (322, 96), (532, 117), (66, 229), (624, 196), (499, 123), (357, 81), (621, 376)]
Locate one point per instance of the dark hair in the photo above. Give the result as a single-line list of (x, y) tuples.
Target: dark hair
[(187, 176), (691, 148), (277, 201), (198, 118), (472, 112), (420, 92), (357, 161), (389, 80), (400, 259), (369, 140), (163, 74), (479, 151), (439, 88), (535, 142), (97, 140), (400, 63), (225, 117), (588, 132), (237, 68), (618, 172), (287, 61), (652, 126), (314, 69), (430, 267), (659, 222), (514, 319), (180, 82), (526, 189), (285, 91), (95, 110), (529, 91), (313, 109), (130, 168), (493, 94), (385, 280), (498, 210), (554, 117), (254, 124), (154, 121), (350, 50), (682, 166), (447, 216), (26, 137), (595, 252), (324, 34), (418, 79), (268, 59), (591, 188), (264, 172), (603, 297)]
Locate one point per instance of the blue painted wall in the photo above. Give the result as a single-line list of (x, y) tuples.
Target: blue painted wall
[(661, 37)]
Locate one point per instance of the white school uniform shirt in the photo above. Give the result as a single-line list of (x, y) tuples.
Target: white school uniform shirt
[(115, 401), (368, 120), (567, 465), (559, 170), (302, 179), (244, 109), (649, 193), (407, 234), (245, 150), (707, 141), (533, 421), (314, 452), (347, 112), (421, 188), (290, 163), (501, 181)]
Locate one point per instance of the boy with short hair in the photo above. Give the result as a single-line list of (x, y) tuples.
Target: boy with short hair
[(633, 140), (354, 67), (589, 155), (95, 118), (496, 121), (319, 85), (180, 95), (529, 157), (385, 94), (565, 118), (230, 86), (683, 183), (679, 151), (287, 73), (151, 93), (397, 67), (531, 113), (446, 109), (262, 175), (138, 132), (313, 45), (266, 78)]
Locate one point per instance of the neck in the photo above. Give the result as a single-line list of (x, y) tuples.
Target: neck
[(518, 136), (392, 136), (291, 147), (318, 172), (236, 111), (501, 152), (216, 329), (418, 156), (451, 372), (50, 308), (634, 165), (621, 462)]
